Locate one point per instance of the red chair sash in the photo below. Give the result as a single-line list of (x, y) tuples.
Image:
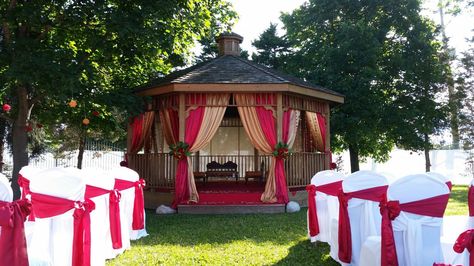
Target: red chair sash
[(12, 239), (24, 183), (330, 189), (450, 185), (390, 210), (465, 241), (138, 203), (114, 212), (46, 206), (470, 201), (344, 228), (313, 223)]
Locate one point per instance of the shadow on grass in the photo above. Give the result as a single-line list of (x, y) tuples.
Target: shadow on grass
[(307, 253), (191, 230)]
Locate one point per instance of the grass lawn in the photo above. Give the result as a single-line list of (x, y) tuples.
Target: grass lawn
[(258, 239)]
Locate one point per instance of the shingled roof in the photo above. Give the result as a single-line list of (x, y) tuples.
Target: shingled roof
[(234, 70)]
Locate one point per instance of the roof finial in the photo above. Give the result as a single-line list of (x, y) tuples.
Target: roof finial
[(228, 43)]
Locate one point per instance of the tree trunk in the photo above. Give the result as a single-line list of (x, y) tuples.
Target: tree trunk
[(82, 145), (427, 153), (354, 154), (3, 134), (20, 139)]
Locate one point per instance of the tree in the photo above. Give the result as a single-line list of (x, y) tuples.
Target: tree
[(53, 51), (466, 88), (271, 48), (361, 50)]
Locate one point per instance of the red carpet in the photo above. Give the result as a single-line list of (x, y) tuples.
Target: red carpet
[(230, 193)]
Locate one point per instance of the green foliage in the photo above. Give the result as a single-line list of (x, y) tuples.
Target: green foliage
[(271, 48), (466, 90), (94, 52), (382, 56)]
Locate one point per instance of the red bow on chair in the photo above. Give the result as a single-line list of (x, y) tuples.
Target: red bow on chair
[(465, 241), (313, 223), (389, 211)]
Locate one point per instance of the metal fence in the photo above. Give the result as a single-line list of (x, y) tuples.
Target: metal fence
[(97, 154)]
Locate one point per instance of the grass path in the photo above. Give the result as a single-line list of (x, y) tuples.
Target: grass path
[(259, 239)]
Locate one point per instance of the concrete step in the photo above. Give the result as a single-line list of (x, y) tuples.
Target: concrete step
[(231, 209)]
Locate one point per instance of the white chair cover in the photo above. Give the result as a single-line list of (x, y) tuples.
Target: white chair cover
[(364, 215), (127, 201), (453, 226), (101, 246), (327, 206), (417, 237), (51, 242), (6, 192)]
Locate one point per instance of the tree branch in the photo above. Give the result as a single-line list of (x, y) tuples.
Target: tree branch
[(7, 118)]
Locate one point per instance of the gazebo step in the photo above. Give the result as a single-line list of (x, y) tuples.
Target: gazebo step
[(230, 209)]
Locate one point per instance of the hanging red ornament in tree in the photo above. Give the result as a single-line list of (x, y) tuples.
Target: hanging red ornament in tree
[(95, 113), (72, 103), (28, 128), (6, 107), (85, 121)]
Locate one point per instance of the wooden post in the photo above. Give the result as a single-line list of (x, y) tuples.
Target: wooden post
[(328, 133), (182, 115), (279, 117)]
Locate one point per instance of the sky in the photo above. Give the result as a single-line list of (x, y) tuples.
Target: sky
[(256, 15)]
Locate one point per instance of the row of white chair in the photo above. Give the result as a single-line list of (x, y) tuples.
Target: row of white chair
[(346, 213), (81, 217)]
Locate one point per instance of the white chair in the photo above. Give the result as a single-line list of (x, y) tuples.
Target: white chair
[(327, 205), (416, 235), (453, 226), (363, 211), (126, 180), (6, 192), (99, 186), (441, 178), (52, 239)]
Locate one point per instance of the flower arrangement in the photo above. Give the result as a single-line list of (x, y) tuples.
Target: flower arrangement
[(180, 150), (281, 151)]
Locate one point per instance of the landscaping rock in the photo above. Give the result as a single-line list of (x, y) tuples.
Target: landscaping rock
[(292, 206), (163, 209)]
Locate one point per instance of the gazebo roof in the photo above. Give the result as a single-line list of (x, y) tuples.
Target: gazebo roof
[(232, 73)]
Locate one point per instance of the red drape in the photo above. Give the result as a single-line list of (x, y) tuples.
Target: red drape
[(114, 212), (322, 129), (267, 124), (345, 238), (433, 207), (138, 202), (466, 241), (137, 131), (450, 185), (46, 206), (193, 124), (12, 238)]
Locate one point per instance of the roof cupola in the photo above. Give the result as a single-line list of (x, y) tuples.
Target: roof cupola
[(229, 43)]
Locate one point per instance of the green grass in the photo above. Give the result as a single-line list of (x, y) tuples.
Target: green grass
[(259, 239), (457, 204)]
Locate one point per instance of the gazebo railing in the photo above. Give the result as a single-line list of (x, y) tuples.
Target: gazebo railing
[(159, 169)]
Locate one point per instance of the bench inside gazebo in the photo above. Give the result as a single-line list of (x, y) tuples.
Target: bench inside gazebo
[(229, 124)]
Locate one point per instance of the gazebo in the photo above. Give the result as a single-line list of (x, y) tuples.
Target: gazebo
[(230, 117)]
